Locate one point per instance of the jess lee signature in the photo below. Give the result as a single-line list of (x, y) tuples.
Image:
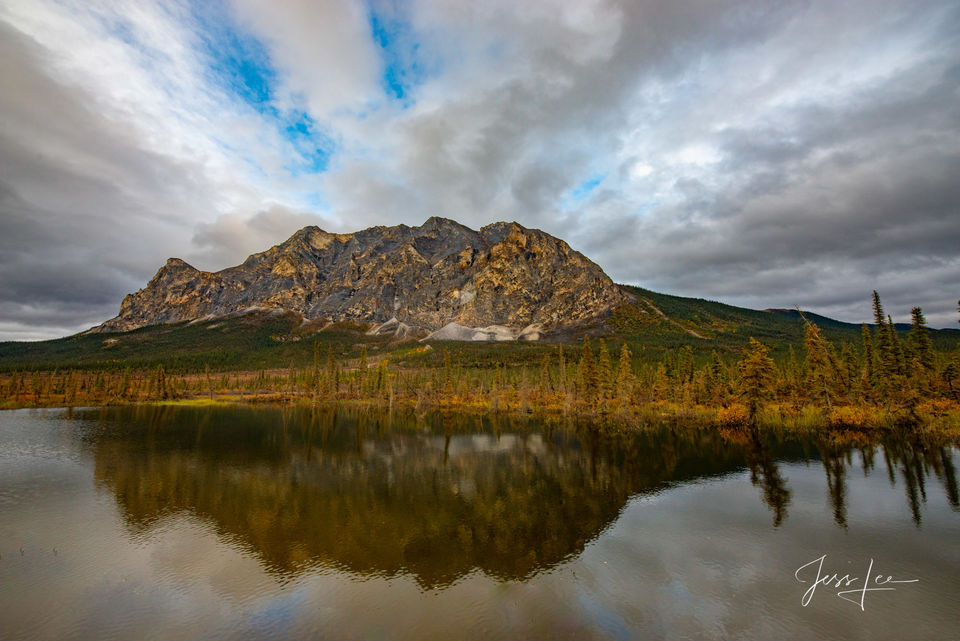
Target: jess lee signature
[(814, 573)]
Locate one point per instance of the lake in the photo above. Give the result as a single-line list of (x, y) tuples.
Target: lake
[(237, 522)]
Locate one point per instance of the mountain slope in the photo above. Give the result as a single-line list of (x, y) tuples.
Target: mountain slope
[(652, 317), (650, 323), (424, 277)]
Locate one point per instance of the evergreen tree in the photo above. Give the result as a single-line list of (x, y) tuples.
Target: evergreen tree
[(879, 317), (333, 382), (381, 376), (314, 382), (716, 379), (896, 349), (562, 367), (589, 376), (886, 361), (162, 390), (660, 383), (756, 377), (447, 381), (605, 367), (869, 360), (920, 346), (821, 366), (846, 366), (565, 398), (624, 379), (950, 372), (362, 372), (209, 377)]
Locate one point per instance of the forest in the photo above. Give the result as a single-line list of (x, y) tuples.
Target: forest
[(887, 378)]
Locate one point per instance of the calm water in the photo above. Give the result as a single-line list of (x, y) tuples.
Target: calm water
[(172, 523)]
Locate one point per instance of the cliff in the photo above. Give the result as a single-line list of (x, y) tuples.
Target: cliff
[(503, 281)]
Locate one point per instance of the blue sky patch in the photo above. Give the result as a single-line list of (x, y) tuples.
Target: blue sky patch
[(581, 191), (403, 66), (239, 63), (313, 146)]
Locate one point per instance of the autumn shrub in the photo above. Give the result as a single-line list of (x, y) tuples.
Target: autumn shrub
[(937, 408), (735, 415), (858, 417)]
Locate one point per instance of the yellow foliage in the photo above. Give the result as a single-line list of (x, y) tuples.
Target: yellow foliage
[(850, 416), (939, 407), (732, 416)]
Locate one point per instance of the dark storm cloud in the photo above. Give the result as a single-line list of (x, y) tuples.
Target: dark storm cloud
[(766, 154), (72, 240), (848, 199)]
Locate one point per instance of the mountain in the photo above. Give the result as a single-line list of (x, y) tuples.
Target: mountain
[(652, 324), (441, 279), (380, 288)]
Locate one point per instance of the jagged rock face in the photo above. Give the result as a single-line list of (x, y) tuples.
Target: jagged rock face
[(441, 272)]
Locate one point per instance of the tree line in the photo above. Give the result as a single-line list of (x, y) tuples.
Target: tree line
[(884, 377)]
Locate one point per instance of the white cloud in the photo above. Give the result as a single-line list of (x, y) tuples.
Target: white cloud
[(324, 50), (741, 141)]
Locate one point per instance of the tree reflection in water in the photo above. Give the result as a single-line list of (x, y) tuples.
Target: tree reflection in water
[(441, 496)]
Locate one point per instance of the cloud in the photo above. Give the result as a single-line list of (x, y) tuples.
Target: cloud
[(757, 153), (231, 235), (323, 48)]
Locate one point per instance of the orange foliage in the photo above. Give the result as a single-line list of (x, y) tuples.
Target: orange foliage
[(732, 416)]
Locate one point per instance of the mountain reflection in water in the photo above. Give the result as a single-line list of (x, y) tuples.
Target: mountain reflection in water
[(439, 497)]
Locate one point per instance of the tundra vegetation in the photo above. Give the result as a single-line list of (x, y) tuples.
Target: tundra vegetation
[(886, 377)]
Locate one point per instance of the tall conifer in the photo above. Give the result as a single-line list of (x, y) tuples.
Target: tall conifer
[(920, 346), (756, 377), (589, 376), (821, 366)]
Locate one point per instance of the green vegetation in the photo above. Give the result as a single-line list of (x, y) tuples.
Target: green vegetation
[(655, 328), (666, 357), (249, 342)]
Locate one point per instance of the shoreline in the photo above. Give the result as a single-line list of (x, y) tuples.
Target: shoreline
[(849, 420)]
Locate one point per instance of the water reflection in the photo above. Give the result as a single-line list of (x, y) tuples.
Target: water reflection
[(440, 497), (915, 461), (765, 472)]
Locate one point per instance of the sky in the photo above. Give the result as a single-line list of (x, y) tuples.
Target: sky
[(764, 154)]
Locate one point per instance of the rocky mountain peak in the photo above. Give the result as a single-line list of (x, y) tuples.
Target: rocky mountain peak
[(424, 278), (177, 264)]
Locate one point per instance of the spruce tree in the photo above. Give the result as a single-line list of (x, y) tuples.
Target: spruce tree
[(756, 377), (920, 346), (717, 379), (660, 383), (362, 372), (821, 366), (605, 367), (878, 316), (624, 380), (209, 377), (846, 366), (333, 382), (314, 382), (886, 361), (896, 349), (546, 380), (562, 366), (869, 360), (589, 376)]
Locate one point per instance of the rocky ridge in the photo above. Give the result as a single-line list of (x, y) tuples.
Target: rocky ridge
[(442, 279)]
